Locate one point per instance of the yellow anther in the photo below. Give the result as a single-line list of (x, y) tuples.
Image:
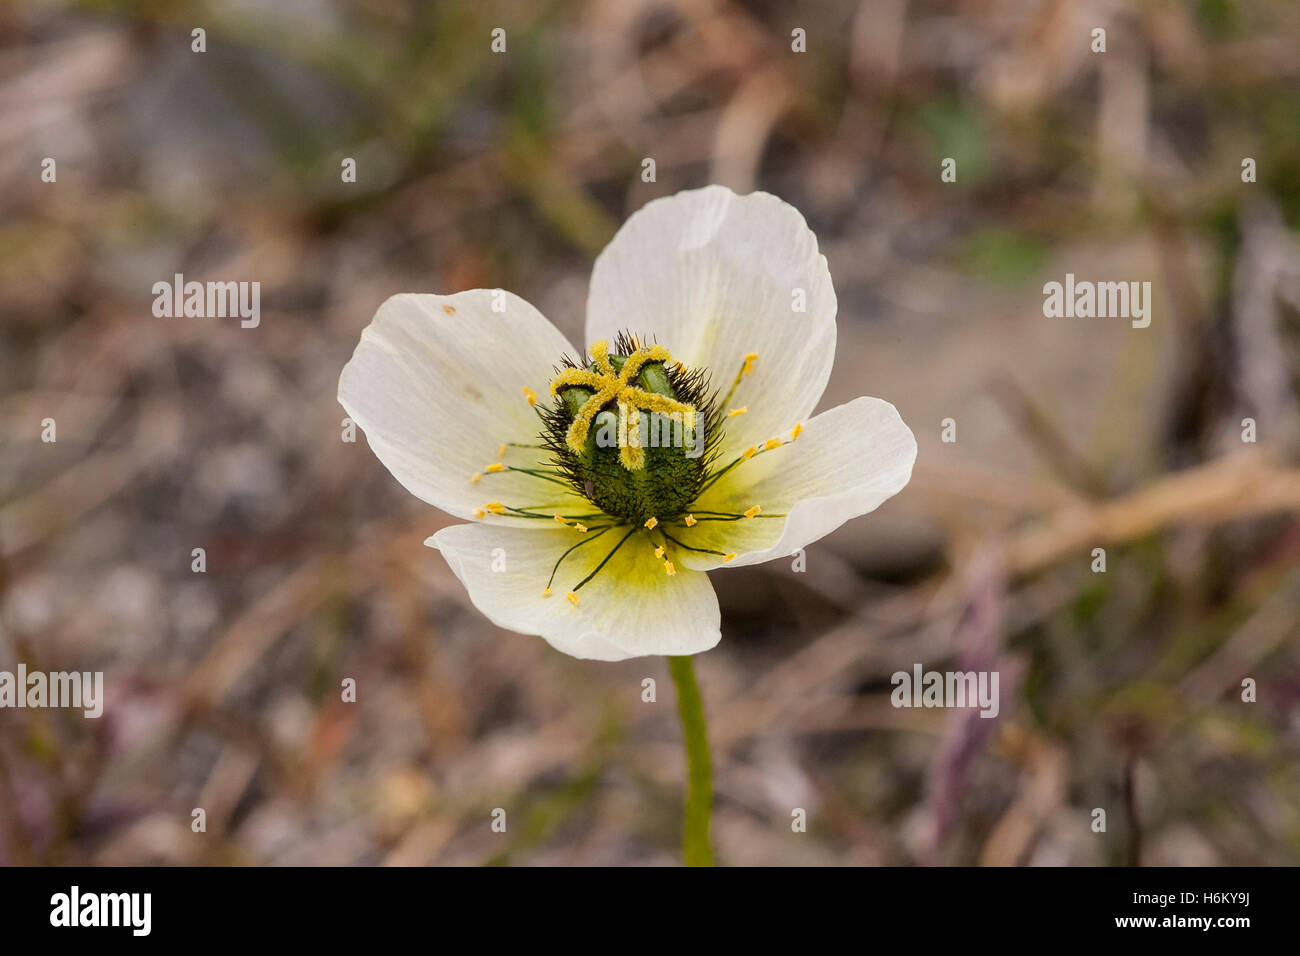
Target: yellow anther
[(561, 519), (501, 452), (494, 467), (651, 522), (797, 431), (496, 507), (474, 478), (737, 411), (750, 359), (753, 511), (479, 513), (579, 526), (573, 598), (546, 592), (668, 566), (729, 557), (530, 395), (659, 552), (771, 443), (750, 452), (690, 521)]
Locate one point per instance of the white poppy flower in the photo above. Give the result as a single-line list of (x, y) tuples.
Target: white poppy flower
[(602, 490)]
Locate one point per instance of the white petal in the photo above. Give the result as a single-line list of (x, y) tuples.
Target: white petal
[(847, 461), (632, 608), (437, 385), (714, 276)]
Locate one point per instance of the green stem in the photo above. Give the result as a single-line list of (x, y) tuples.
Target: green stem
[(699, 788)]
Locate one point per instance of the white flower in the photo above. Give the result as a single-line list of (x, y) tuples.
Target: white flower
[(445, 386)]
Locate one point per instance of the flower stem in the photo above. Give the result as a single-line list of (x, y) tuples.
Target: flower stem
[(699, 788)]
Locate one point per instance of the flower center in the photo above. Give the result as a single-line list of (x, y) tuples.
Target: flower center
[(633, 431), (636, 434)]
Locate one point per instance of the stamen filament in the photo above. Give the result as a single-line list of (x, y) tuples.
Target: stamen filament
[(531, 511), (531, 472), (551, 579), (723, 516), (753, 451), (689, 547), (746, 368), (633, 530)]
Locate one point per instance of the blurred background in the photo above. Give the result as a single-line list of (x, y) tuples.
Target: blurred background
[(1119, 690)]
